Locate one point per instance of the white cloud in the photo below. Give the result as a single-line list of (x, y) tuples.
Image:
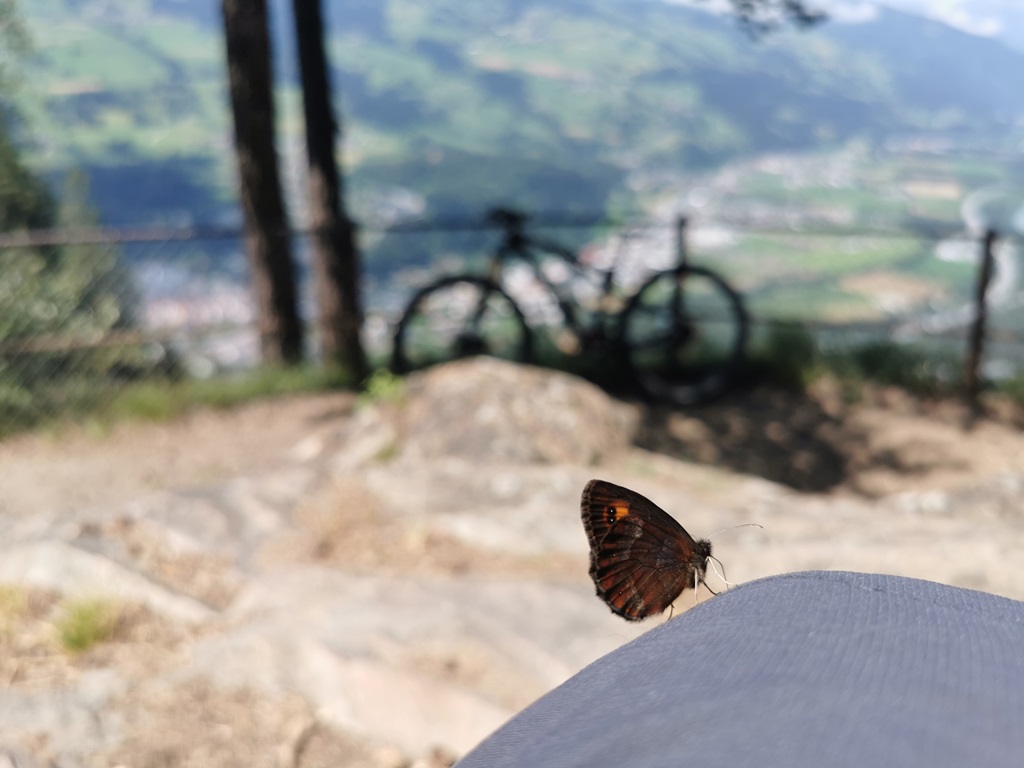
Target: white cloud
[(979, 17), (988, 18), (855, 12)]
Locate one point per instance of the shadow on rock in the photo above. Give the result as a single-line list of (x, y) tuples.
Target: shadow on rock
[(784, 437)]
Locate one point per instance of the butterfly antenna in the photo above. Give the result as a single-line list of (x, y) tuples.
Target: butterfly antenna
[(719, 574), (734, 527)]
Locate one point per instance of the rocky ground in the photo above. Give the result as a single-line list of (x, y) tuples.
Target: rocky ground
[(308, 582)]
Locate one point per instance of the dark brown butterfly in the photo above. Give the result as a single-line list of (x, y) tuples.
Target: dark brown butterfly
[(641, 559)]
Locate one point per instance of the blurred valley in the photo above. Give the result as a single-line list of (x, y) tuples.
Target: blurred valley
[(593, 106), (867, 126)]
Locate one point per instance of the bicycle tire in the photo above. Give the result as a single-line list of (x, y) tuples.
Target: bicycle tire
[(685, 335), (459, 305)]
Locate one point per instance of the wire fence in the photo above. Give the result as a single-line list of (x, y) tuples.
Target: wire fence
[(85, 313)]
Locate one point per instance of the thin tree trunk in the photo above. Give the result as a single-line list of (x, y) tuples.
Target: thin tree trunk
[(335, 255), (268, 246)]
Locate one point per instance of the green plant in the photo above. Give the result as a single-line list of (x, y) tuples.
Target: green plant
[(383, 387), (164, 400), (1013, 387), (13, 604), (62, 311), (787, 356), (909, 367), (85, 622)]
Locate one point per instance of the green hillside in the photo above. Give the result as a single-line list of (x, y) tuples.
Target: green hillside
[(548, 105)]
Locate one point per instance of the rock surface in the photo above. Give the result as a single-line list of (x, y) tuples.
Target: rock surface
[(409, 575), (489, 410)]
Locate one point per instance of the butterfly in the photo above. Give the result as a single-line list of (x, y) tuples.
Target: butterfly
[(641, 559)]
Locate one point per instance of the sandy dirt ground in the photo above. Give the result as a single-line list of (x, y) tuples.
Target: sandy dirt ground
[(80, 468), (840, 473), (886, 443)]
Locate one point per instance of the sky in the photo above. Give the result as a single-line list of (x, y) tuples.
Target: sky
[(1003, 19), (1000, 19)]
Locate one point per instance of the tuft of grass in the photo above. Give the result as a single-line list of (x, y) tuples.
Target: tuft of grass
[(787, 356), (13, 604), (905, 366), (387, 453), (382, 387), (84, 623), (1013, 387), (165, 401)]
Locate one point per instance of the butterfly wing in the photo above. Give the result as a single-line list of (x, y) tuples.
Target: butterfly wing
[(603, 504), (641, 559)]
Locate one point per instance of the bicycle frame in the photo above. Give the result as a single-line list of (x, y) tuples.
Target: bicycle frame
[(516, 243)]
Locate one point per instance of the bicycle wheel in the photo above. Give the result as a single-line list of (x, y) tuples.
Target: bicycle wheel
[(458, 317), (685, 335)]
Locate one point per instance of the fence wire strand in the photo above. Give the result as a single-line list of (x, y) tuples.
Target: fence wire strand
[(85, 313)]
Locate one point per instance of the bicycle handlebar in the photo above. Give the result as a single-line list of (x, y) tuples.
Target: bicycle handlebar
[(514, 222), (506, 217)]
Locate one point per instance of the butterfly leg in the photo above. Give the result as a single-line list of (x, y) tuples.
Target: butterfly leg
[(721, 574), (697, 581)]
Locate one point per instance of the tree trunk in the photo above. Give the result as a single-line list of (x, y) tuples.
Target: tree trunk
[(335, 256), (267, 240)]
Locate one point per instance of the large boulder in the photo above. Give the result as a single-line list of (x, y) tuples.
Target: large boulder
[(491, 410)]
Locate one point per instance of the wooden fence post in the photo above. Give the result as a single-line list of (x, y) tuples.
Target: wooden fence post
[(976, 340)]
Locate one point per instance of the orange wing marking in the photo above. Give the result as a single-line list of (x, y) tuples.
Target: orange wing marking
[(616, 512)]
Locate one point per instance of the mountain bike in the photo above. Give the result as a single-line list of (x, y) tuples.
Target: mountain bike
[(679, 338)]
